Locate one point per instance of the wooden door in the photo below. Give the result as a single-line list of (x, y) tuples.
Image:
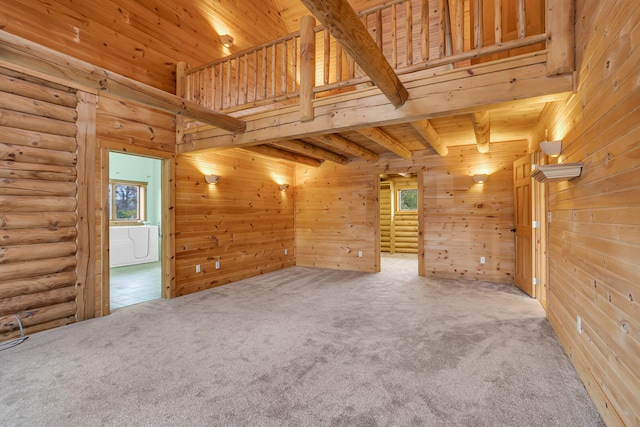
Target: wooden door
[(522, 208)]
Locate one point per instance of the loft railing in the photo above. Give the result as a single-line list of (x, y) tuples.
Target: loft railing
[(414, 35)]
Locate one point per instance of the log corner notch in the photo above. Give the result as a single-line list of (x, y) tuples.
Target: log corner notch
[(344, 25), (82, 75)]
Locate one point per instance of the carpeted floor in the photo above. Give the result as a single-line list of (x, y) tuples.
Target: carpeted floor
[(304, 347)]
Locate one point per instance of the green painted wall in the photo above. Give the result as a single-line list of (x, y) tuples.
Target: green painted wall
[(126, 167)]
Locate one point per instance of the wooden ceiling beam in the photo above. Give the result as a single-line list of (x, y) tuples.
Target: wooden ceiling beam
[(380, 137), (311, 150), (430, 135), (82, 75), (267, 150), (482, 129), (345, 26), (342, 143)]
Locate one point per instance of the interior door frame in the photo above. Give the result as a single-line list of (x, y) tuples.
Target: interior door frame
[(167, 226), (420, 178)]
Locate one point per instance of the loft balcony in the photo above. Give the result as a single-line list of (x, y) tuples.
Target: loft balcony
[(472, 70)]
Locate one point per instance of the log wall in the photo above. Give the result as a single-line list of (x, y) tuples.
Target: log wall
[(337, 213), (244, 222), (38, 204), (594, 240)]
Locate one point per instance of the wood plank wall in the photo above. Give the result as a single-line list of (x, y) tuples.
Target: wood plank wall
[(337, 212), (126, 127), (594, 238), (398, 230), (132, 37), (38, 199), (244, 222)]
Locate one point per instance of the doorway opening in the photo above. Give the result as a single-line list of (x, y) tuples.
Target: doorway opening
[(400, 203), (135, 229)]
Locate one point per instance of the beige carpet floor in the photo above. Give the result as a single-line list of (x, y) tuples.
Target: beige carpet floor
[(304, 347)]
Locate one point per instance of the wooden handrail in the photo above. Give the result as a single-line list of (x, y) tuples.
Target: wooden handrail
[(400, 28)]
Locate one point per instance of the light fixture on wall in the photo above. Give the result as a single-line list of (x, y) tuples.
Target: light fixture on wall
[(551, 148), (212, 179), (284, 187), (226, 40), (480, 177)]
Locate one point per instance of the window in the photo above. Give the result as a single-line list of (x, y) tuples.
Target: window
[(127, 202), (408, 200)]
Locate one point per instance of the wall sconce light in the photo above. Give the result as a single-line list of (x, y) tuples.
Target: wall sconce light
[(212, 179), (226, 40), (551, 148), (284, 187), (480, 177)]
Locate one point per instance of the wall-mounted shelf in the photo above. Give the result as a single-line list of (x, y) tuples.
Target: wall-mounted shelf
[(557, 172)]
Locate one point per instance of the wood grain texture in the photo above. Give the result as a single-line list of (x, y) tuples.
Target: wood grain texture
[(38, 198), (245, 222), (593, 234), (336, 213)]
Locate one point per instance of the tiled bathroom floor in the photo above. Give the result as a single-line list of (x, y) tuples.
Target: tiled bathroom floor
[(134, 284)]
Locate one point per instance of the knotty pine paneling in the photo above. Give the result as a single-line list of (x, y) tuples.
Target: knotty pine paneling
[(126, 127), (594, 242), (244, 222), (143, 39), (337, 209)]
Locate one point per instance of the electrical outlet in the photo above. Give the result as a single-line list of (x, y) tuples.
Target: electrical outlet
[(483, 260), (286, 251), (579, 324), (197, 268), (359, 254), (217, 265)]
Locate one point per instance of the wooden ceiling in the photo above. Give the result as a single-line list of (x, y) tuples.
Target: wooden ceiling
[(144, 39)]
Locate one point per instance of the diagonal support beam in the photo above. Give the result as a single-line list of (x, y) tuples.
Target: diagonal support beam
[(311, 150), (345, 26), (24, 53), (379, 136), (482, 129), (426, 130), (269, 151), (343, 144)]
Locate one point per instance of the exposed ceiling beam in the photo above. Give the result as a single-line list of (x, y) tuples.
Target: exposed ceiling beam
[(80, 74), (347, 146), (345, 26), (431, 97), (311, 150), (482, 129), (379, 136), (426, 130), (267, 150)]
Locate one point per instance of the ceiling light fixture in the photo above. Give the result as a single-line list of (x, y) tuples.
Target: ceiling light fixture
[(284, 187), (226, 40)]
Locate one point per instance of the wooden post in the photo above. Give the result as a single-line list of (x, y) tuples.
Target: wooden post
[(86, 255), (307, 67), (181, 90), (497, 21), (424, 30), (561, 38), (478, 28)]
